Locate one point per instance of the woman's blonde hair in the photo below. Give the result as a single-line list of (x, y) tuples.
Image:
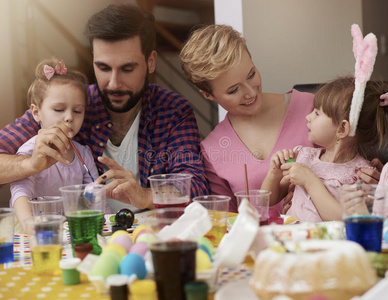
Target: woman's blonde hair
[(334, 99), (209, 52), (38, 89)]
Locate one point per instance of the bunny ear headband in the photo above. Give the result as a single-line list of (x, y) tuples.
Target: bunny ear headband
[(365, 51)]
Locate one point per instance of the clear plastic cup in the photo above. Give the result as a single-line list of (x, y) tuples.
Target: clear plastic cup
[(7, 223), (170, 190), (45, 234), (218, 208), (47, 205)]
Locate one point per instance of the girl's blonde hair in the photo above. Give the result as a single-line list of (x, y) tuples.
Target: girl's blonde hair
[(37, 92), (334, 99), (209, 52)]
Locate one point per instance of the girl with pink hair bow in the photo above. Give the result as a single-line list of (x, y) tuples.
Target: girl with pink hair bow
[(57, 94)]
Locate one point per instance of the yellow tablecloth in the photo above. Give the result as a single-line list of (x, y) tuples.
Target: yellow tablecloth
[(18, 281), (21, 283)]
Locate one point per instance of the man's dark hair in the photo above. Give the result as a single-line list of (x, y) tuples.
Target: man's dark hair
[(122, 21)]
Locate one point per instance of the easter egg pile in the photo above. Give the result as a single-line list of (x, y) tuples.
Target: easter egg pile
[(121, 256), (127, 255)]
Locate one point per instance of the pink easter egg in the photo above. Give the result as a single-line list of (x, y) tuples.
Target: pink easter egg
[(124, 241), (140, 248)]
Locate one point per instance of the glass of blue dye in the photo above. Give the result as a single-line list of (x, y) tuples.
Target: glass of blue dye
[(363, 220), (7, 219)]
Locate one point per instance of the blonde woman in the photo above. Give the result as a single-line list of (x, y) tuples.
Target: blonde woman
[(216, 59)]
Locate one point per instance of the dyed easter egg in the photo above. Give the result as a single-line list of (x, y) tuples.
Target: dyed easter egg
[(202, 261), (133, 263), (116, 247), (140, 248), (107, 264), (123, 240), (138, 229), (149, 238)]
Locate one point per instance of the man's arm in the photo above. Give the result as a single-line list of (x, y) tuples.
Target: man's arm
[(14, 167), (184, 153)]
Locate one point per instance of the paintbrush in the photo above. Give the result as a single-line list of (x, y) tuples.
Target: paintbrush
[(81, 160)]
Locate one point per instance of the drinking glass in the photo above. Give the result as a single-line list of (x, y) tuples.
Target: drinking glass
[(174, 264), (7, 223), (362, 224), (84, 208), (259, 199), (45, 239), (218, 207), (46, 205), (170, 190)]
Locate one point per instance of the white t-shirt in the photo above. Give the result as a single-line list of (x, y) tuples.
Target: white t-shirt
[(126, 155)]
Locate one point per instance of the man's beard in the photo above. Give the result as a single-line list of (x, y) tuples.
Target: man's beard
[(133, 99)]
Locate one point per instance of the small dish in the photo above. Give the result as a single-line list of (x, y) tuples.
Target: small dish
[(236, 290)]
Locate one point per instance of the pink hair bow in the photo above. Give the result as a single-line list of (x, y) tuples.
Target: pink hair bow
[(365, 51), (59, 69)]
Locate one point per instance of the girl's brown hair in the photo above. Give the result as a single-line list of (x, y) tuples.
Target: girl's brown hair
[(334, 99), (38, 89)]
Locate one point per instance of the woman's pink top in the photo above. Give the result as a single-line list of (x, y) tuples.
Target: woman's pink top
[(225, 154), (332, 175)]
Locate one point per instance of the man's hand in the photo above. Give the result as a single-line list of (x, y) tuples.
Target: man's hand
[(124, 186)]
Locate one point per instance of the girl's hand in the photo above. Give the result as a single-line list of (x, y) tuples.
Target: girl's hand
[(372, 176), (281, 156), (296, 173), (51, 146)]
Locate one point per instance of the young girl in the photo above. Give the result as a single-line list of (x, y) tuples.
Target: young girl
[(56, 95), (317, 172)]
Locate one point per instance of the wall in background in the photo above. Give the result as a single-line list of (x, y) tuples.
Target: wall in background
[(300, 41), (6, 71), (374, 14)]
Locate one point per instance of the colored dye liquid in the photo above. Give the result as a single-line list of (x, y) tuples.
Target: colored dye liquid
[(6, 252), (45, 259), (174, 264), (216, 234), (365, 230), (178, 202), (263, 222), (84, 226)]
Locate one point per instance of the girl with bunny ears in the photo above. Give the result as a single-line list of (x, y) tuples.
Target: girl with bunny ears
[(347, 121)]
